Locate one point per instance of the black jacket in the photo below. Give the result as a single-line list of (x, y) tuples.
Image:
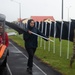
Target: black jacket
[(31, 40)]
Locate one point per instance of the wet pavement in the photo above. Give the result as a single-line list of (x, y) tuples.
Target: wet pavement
[(17, 61)]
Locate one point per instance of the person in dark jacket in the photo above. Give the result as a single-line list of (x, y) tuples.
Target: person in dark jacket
[(31, 43)]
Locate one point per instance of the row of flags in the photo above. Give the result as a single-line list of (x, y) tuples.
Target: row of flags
[(62, 30)]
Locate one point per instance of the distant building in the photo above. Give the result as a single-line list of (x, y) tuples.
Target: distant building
[(24, 21), (43, 18), (37, 18)]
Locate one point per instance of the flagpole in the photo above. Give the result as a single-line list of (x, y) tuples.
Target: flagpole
[(45, 35), (61, 30), (68, 39), (38, 29), (49, 36), (54, 36), (41, 36), (62, 10), (41, 32)]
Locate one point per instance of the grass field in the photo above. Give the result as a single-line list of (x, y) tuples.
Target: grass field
[(61, 64)]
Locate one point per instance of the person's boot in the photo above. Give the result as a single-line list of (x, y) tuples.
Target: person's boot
[(29, 70)]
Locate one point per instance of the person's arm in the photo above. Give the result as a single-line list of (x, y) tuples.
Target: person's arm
[(38, 32)]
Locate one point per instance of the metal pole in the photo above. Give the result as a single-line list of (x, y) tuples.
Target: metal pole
[(62, 10), (39, 29), (61, 30), (49, 36), (42, 32), (68, 13), (41, 36), (68, 39), (68, 33), (61, 38), (19, 8), (45, 35), (54, 36)]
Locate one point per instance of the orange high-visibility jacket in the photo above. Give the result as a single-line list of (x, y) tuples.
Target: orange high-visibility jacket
[(2, 49)]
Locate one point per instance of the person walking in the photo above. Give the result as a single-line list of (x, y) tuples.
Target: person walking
[(31, 43)]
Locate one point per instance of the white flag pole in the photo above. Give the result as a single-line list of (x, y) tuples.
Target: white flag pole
[(68, 39), (41, 36), (61, 38), (45, 35), (41, 32), (49, 36), (38, 29), (61, 29), (54, 36)]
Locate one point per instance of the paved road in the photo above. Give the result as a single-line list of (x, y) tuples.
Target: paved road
[(17, 61)]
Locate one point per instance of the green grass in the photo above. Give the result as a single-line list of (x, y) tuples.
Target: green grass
[(10, 30), (61, 64)]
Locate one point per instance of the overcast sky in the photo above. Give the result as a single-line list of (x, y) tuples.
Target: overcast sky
[(37, 8)]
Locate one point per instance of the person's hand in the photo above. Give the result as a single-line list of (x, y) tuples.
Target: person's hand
[(1, 45), (29, 32)]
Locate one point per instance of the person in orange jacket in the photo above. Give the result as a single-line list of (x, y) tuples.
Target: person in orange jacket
[(4, 42)]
